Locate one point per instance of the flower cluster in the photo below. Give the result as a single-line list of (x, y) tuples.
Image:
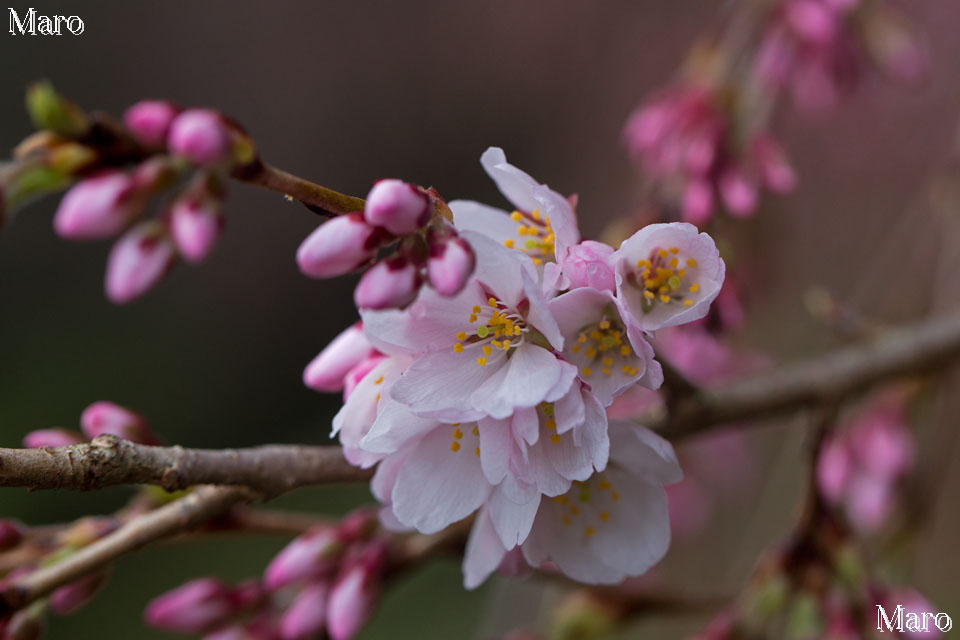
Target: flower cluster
[(410, 220), (492, 402), (860, 468)]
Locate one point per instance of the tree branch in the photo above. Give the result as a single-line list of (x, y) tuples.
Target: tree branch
[(204, 503), (315, 197), (914, 349), (109, 461)]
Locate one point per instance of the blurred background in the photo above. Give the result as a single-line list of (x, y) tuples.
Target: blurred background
[(344, 93)]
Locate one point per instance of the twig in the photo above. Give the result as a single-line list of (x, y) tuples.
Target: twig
[(201, 505), (317, 198), (110, 461), (914, 349)]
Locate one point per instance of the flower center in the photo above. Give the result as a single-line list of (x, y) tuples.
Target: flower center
[(602, 346), (589, 502), (538, 239), (664, 278), (457, 442), (497, 327)]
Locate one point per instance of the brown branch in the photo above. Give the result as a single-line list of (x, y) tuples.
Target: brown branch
[(201, 505), (109, 461), (915, 349), (316, 197)]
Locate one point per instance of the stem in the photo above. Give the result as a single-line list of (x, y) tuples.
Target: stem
[(196, 508), (317, 198)]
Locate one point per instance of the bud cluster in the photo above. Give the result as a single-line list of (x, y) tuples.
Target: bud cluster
[(100, 418), (327, 579), (403, 235)]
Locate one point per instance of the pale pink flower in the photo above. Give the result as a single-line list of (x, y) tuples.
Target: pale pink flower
[(397, 206), (607, 345), (486, 351), (138, 261), (327, 371), (360, 409), (359, 372), (543, 223), (667, 274), (612, 526)]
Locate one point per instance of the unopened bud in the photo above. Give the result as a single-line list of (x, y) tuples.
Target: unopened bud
[(106, 417), (149, 121), (359, 372), (775, 169), (138, 261), (697, 204), (306, 616), (51, 438), (738, 193), (588, 265), (200, 136), (193, 608), (352, 601), (397, 206), (310, 555), (98, 207), (11, 534), (326, 372), (338, 246), (389, 284), (74, 596), (196, 226), (450, 265), (358, 525)]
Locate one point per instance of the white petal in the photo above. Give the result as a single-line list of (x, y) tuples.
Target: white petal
[(484, 551), (517, 186), (644, 453), (437, 486), (512, 521), (494, 223), (524, 381), (437, 384), (395, 426)]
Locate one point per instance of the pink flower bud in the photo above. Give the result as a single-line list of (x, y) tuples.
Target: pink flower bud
[(358, 525), (833, 470), (739, 194), (450, 265), (74, 596), (98, 207), (775, 170), (351, 602), (397, 206), (870, 501), (588, 265), (200, 136), (106, 417), (883, 443), (306, 616), (389, 284), (138, 261), (149, 121), (326, 372), (697, 202), (11, 534), (51, 438), (338, 246), (813, 21), (195, 226), (193, 608), (307, 556), (359, 372)]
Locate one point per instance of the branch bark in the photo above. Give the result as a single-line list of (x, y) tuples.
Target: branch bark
[(315, 197), (109, 461), (204, 503), (915, 349)]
